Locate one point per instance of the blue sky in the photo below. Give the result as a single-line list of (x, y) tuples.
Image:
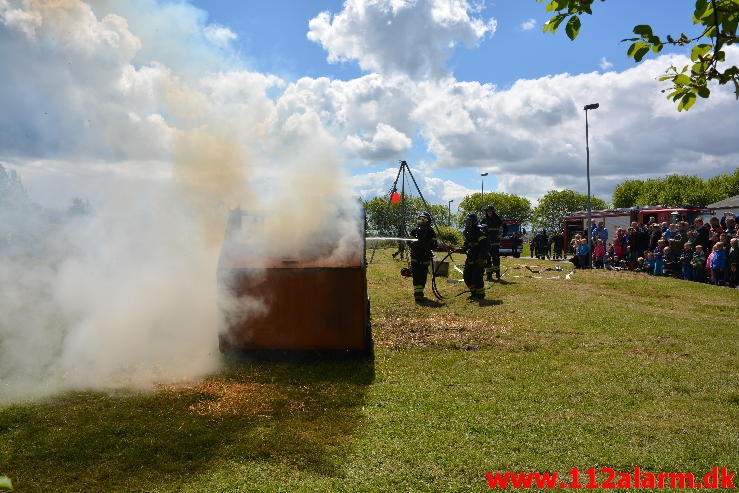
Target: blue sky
[(455, 87), (272, 38)]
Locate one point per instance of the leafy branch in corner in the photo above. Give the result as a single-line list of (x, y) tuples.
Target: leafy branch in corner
[(719, 20)]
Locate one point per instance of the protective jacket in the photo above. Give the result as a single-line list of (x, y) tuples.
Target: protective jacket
[(422, 249), (492, 225), (476, 245)]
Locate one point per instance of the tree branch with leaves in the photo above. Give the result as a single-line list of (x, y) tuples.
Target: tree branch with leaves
[(719, 20)]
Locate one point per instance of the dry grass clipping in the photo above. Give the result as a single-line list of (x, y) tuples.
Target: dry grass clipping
[(446, 331)]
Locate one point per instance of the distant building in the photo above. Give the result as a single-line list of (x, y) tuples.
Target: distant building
[(730, 205)]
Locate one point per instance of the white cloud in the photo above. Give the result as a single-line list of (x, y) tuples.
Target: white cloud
[(605, 64), (385, 143), (528, 25), (219, 35), (102, 95), (535, 128), (370, 31)]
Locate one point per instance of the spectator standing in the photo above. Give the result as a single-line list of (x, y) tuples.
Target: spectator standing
[(599, 252), (671, 264), (659, 255), (730, 229), (619, 243), (701, 233), (733, 261), (686, 262), (583, 254), (638, 238), (715, 225), (699, 264), (631, 257), (654, 235), (599, 231), (667, 233), (649, 263), (718, 264)]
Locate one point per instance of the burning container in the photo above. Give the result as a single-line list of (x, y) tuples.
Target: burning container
[(303, 304)]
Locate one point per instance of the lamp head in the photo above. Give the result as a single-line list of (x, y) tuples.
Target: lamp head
[(593, 106)]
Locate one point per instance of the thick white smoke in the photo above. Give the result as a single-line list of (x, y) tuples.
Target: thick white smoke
[(118, 297), (126, 295)]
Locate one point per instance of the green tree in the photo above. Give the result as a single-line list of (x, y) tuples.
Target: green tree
[(626, 194), (649, 194), (508, 206), (723, 186), (675, 190), (384, 218), (717, 20), (556, 204)]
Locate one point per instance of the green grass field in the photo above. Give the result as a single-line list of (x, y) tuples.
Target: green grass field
[(603, 370)]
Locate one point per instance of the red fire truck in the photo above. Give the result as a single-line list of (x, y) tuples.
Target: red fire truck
[(511, 238), (576, 222)]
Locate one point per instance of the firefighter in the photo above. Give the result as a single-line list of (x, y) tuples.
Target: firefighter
[(477, 250), (542, 245), (421, 253), (492, 224)]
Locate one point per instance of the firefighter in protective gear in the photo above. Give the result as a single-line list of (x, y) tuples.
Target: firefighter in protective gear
[(422, 253), (492, 224), (477, 250)]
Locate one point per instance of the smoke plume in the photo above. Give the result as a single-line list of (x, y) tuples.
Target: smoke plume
[(123, 293)]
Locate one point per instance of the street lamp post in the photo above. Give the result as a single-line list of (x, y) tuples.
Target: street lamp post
[(593, 106), (449, 207), (482, 188)]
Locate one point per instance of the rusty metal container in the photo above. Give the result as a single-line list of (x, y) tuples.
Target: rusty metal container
[(305, 304)]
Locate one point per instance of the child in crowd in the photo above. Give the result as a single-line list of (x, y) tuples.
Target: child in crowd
[(649, 263), (599, 251), (619, 243), (699, 264), (583, 254), (659, 253), (670, 263), (718, 264), (640, 265), (709, 260), (686, 261)]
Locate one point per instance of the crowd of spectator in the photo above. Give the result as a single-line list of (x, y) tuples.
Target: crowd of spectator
[(700, 252)]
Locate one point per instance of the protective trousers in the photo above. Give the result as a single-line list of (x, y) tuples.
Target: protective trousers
[(493, 262), (472, 276), (420, 271)]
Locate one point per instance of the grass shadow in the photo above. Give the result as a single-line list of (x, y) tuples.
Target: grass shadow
[(300, 415), (429, 303)]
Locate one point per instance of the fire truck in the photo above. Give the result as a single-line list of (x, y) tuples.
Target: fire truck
[(511, 238), (576, 222)]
